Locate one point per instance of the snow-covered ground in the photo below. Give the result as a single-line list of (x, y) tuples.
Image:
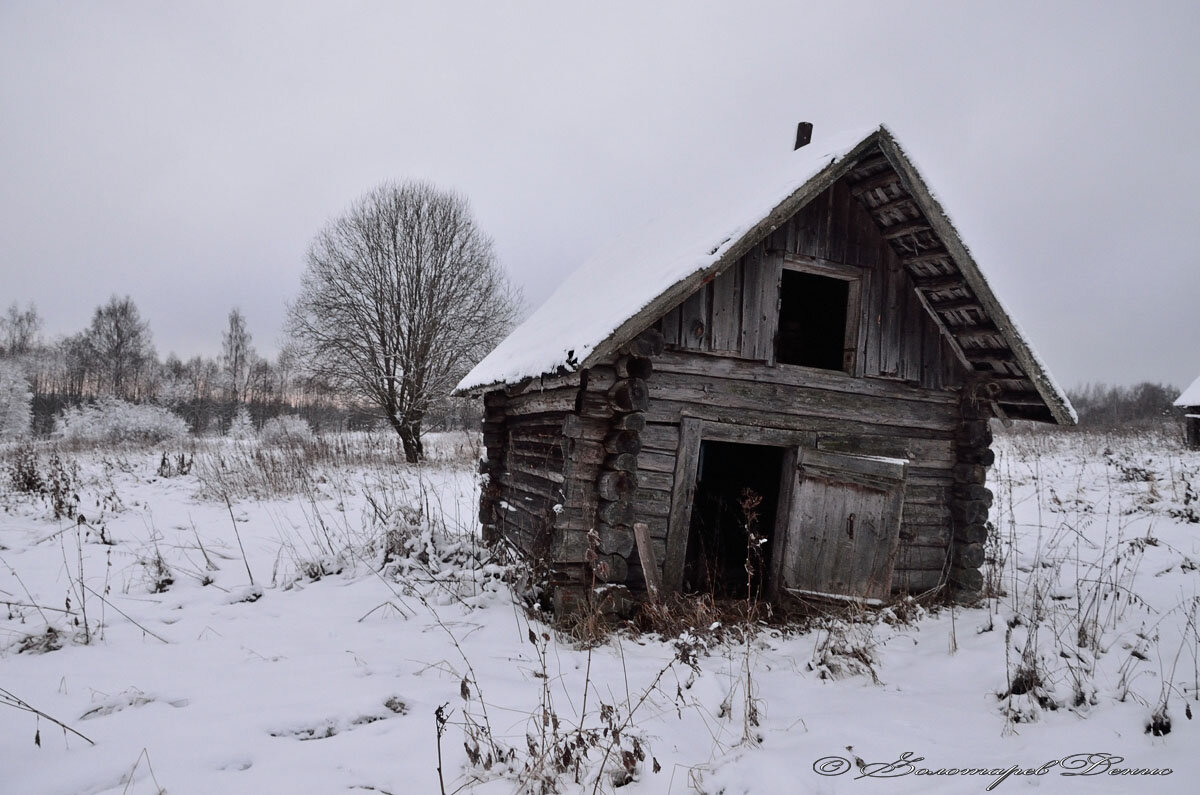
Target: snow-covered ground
[(327, 673)]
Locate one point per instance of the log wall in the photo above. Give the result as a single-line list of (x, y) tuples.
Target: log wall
[(845, 415)]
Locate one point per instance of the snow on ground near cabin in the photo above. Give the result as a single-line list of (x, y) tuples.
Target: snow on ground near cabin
[(325, 677)]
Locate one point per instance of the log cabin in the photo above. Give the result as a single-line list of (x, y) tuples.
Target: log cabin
[(1189, 401), (802, 379)]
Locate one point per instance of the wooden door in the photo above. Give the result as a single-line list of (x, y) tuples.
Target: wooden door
[(843, 527)]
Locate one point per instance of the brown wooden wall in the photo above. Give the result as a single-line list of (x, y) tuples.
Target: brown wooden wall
[(885, 418), (735, 313)]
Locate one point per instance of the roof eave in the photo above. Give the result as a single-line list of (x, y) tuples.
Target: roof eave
[(1055, 400)]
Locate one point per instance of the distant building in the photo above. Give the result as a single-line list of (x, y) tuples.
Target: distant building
[(829, 346), (1189, 401)]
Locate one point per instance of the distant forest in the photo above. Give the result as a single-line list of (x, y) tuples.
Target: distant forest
[(114, 356)]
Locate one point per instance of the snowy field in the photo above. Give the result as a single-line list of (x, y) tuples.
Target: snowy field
[(250, 618)]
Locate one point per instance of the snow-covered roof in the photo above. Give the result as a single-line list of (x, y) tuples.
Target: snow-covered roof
[(1190, 396), (620, 280), (623, 289)]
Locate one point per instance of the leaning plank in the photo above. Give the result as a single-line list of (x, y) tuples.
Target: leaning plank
[(645, 548)]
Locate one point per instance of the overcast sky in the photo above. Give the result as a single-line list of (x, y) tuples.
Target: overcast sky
[(186, 153)]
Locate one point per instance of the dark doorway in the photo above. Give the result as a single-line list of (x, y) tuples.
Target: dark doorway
[(730, 477), (812, 320)]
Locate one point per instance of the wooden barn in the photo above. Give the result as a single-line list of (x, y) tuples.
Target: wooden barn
[(827, 345), (1189, 401)]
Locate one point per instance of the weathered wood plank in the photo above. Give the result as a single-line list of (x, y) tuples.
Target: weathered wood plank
[(694, 320), (727, 311), (683, 492), (767, 397)]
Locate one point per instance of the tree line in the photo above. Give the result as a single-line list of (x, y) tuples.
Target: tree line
[(401, 295)]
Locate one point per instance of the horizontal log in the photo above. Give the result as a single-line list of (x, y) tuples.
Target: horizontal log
[(655, 462), (926, 513), (649, 343), (927, 495), (633, 367), (916, 582), (625, 462), (660, 481), (600, 378), (556, 400), (969, 511), (634, 421), (970, 580), (663, 410), (615, 540), (972, 533), (930, 452), (611, 568), (629, 395), (926, 535), (915, 558), (681, 362), (968, 556), (623, 442), (615, 513), (616, 485), (975, 491), (659, 437), (651, 502), (770, 397)]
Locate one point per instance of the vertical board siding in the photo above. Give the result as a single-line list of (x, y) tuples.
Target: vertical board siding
[(727, 311), (737, 313)]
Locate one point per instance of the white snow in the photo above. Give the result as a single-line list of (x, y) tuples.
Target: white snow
[(1190, 396), (325, 675), (618, 281)]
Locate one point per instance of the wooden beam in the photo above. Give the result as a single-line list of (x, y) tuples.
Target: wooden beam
[(941, 324), (1027, 399), (881, 180), (894, 204), (871, 163), (938, 283), (975, 332), (957, 304), (928, 258), (905, 230)]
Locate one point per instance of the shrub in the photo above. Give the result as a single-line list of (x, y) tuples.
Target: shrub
[(287, 429), (112, 420)]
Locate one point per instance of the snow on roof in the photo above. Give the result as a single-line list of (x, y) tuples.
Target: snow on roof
[(1191, 395), (620, 280)]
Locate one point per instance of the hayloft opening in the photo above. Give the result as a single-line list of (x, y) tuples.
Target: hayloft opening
[(737, 496), (812, 320)]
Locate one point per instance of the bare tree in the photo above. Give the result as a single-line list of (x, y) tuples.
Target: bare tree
[(19, 329), (237, 356), (400, 297), (118, 346)]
